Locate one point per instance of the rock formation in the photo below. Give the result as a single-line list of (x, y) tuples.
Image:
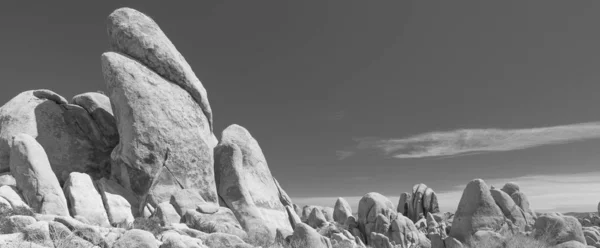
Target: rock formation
[(557, 229), (369, 207), (476, 210), (84, 200), (35, 179), (65, 131), (166, 143), (341, 211), (417, 204), (245, 183)]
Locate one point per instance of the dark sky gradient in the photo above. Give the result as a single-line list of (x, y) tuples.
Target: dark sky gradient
[(306, 77)]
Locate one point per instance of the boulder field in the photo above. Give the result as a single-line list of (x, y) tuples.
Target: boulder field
[(140, 166)]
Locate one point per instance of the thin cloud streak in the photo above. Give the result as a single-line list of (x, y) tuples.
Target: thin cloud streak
[(466, 141), (341, 155)]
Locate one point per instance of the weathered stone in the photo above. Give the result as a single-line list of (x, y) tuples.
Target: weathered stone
[(223, 221), (186, 199), (16, 223), (38, 233), (223, 240), (341, 211), (162, 148), (369, 206), (7, 179), (35, 178), (98, 107), (557, 228), (136, 238), (245, 183), (116, 201), (316, 219), (167, 214), (306, 236), (283, 196), (328, 213), (138, 36), (521, 200), (293, 217), (476, 210), (61, 129), (404, 203), (11, 196), (172, 239), (510, 188), (84, 200), (90, 233), (513, 212)]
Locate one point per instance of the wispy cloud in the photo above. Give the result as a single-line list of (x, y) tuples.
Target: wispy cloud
[(472, 141), (546, 193), (339, 115), (341, 155)]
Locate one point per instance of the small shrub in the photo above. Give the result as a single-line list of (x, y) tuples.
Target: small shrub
[(151, 225), (6, 212)]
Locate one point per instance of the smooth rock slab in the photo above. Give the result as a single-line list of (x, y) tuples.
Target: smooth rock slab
[(11, 196), (35, 178), (117, 203), (162, 147), (138, 36), (245, 183), (84, 200)]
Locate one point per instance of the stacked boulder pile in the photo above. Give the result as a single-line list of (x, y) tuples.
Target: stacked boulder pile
[(144, 150), (140, 166)]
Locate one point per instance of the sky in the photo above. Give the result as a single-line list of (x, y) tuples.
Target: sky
[(350, 97)]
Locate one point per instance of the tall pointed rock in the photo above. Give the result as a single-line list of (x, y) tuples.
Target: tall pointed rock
[(162, 147), (35, 179), (136, 35), (163, 117), (476, 211), (245, 183)]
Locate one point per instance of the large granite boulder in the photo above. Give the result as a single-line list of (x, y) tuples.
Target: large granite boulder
[(222, 221), (476, 211), (245, 183), (118, 202), (35, 179), (136, 35), (84, 200), (161, 110), (520, 199), (369, 207), (305, 236), (556, 228), (66, 132)]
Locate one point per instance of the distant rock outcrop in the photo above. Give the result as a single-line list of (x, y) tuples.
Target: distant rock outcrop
[(369, 207), (417, 204), (476, 211), (341, 211), (245, 183)]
